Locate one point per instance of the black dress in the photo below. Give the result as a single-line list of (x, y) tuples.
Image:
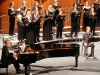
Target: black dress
[(99, 17), (29, 33), (55, 13), (21, 30), (11, 21), (24, 21), (60, 26), (37, 28), (79, 8), (74, 22), (93, 22), (47, 32), (95, 4), (86, 18)]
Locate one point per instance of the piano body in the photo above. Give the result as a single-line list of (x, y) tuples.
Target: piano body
[(50, 50), (61, 50)]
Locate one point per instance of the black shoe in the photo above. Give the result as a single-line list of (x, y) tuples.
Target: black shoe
[(90, 55), (11, 34), (14, 34), (38, 40), (18, 72)]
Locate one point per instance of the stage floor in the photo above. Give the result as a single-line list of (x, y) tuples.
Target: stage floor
[(85, 67)]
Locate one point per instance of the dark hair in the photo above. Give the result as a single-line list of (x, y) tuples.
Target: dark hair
[(24, 7), (78, 0)]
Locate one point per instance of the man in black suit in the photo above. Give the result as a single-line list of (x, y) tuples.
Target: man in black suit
[(8, 59)]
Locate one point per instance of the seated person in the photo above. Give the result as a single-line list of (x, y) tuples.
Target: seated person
[(86, 42), (7, 58)]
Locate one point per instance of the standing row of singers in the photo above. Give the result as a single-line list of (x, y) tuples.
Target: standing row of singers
[(91, 16), (29, 20)]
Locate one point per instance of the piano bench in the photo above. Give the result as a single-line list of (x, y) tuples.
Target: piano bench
[(4, 66)]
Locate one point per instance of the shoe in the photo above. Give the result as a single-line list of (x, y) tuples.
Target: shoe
[(90, 55), (10, 34), (86, 56), (38, 40), (18, 72), (14, 34)]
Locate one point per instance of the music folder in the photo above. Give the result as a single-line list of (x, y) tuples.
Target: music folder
[(94, 39)]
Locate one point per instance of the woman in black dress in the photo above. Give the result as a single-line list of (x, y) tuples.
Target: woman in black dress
[(75, 15), (36, 20), (93, 18), (56, 7), (29, 29), (24, 19), (86, 15), (60, 18), (47, 32), (79, 8), (11, 14)]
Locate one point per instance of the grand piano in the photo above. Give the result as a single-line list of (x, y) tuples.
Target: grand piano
[(51, 50)]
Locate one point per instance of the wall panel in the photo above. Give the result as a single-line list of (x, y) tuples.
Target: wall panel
[(4, 5)]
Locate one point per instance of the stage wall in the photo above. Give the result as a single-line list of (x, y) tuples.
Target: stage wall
[(4, 5)]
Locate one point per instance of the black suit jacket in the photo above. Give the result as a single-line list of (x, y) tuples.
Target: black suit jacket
[(6, 57)]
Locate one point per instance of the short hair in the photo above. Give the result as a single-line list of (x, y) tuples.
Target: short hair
[(87, 27), (5, 41)]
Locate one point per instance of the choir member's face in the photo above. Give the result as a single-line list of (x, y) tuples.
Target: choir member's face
[(56, 2), (97, 0), (24, 3), (87, 3), (12, 4), (78, 1), (60, 13), (36, 3)]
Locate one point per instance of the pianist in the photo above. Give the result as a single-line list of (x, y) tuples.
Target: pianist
[(7, 58), (87, 43)]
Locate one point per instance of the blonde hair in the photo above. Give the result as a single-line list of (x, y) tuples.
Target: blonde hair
[(88, 27), (5, 41)]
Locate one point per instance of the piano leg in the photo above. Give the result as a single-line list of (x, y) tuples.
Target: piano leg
[(76, 61), (26, 69)]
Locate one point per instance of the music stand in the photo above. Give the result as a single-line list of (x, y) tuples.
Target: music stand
[(93, 39)]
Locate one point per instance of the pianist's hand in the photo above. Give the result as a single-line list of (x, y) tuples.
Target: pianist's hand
[(85, 44), (14, 55)]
